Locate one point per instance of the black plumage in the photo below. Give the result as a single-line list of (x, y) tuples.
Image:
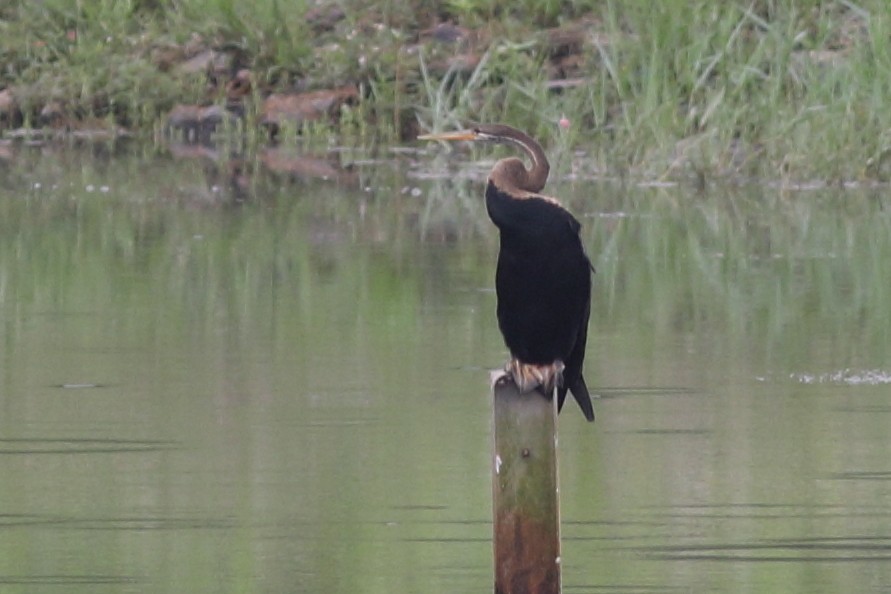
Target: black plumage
[(543, 277)]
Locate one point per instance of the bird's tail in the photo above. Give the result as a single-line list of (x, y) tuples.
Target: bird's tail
[(580, 392)]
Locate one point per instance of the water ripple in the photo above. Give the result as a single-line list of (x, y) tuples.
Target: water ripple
[(63, 580), (815, 549), (18, 446), (847, 377)]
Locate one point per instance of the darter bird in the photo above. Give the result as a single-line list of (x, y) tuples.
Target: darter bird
[(543, 277)]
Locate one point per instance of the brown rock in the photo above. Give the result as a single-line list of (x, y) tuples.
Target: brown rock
[(210, 61), (7, 103), (324, 18), (299, 108), (570, 39), (197, 122), (52, 114), (445, 33), (461, 64), (184, 116), (240, 85), (165, 57)]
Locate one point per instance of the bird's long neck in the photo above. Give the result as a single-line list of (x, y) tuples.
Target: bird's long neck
[(538, 175), (512, 174)]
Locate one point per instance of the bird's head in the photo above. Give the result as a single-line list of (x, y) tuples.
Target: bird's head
[(531, 181), (482, 133)]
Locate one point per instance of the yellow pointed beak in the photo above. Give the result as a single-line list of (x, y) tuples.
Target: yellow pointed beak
[(462, 135)]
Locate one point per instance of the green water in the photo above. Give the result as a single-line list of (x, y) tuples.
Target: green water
[(215, 378)]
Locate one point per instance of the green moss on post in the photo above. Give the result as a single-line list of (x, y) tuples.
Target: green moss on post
[(524, 491)]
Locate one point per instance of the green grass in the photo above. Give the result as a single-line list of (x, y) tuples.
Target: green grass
[(674, 89)]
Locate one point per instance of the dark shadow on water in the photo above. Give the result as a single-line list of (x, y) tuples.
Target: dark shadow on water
[(836, 548), (346, 423), (487, 539), (764, 511), (149, 524), (846, 548), (136, 523), (622, 523), (19, 446), (67, 580), (610, 393), (769, 559), (669, 432), (622, 588), (17, 520)]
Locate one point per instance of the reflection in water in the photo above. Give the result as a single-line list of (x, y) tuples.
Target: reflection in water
[(68, 580), (279, 384), (78, 446)]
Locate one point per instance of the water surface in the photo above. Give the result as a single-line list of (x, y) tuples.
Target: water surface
[(234, 376)]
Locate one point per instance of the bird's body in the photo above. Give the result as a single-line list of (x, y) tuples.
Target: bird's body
[(543, 277)]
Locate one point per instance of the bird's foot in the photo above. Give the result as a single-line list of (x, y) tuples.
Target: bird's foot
[(529, 377)]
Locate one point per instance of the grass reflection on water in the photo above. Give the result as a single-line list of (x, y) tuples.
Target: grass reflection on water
[(299, 367)]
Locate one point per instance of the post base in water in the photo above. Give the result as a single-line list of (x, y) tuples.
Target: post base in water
[(524, 490)]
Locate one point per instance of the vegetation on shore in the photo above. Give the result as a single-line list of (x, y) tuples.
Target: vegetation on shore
[(669, 88)]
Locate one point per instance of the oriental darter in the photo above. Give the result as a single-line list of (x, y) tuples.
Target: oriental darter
[(543, 277)]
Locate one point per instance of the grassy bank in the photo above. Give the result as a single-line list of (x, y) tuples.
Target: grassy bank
[(670, 88)]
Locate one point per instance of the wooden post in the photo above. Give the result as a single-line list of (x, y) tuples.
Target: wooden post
[(524, 491)]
